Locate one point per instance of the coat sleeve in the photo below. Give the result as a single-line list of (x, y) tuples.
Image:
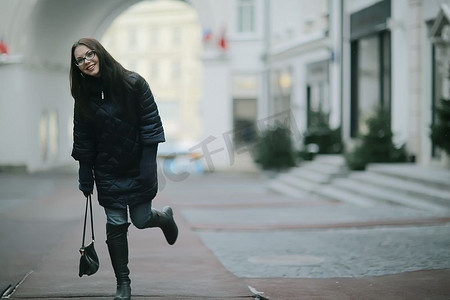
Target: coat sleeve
[(84, 149), (151, 128)]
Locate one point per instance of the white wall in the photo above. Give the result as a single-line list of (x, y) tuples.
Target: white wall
[(27, 95), (13, 109), (400, 65), (216, 113)]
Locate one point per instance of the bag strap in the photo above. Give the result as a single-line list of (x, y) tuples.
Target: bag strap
[(88, 201)]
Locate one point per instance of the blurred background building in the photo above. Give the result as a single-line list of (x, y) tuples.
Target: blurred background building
[(221, 70), (161, 40)]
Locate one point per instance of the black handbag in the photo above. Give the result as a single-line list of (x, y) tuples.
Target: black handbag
[(89, 263)]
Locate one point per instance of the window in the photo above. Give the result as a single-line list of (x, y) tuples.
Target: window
[(176, 36), (317, 94), (244, 121), (370, 63), (154, 36), (176, 70), (370, 78), (438, 91), (246, 16), (154, 70), (170, 113), (132, 36), (317, 103)]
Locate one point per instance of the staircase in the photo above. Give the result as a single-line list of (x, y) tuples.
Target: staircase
[(310, 176), (420, 187)]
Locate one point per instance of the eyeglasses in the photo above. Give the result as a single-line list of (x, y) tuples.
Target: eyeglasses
[(79, 61)]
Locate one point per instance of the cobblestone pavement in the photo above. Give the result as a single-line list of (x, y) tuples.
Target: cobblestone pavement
[(331, 253), (257, 234)]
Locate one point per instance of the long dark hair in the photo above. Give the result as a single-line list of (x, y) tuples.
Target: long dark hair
[(113, 75)]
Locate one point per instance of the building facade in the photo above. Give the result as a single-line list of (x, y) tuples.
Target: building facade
[(303, 62), (391, 62), (347, 57)]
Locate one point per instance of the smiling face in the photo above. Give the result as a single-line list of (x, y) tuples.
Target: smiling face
[(89, 67)]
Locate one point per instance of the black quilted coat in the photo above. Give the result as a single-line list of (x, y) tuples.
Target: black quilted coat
[(112, 140)]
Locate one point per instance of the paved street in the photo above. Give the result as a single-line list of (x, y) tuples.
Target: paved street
[(36, 212), (233, 233)]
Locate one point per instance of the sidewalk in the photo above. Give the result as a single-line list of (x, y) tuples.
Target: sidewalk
[(187, 270), (233, 233)]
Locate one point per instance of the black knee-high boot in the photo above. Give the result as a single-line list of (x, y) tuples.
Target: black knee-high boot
[(116, 238), (164, 220)]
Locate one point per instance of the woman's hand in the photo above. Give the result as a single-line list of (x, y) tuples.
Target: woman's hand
[(86, 179), (87, 194), (148, 161)]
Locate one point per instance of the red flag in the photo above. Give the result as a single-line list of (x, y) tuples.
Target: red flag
[(223, 41), (3, 47)]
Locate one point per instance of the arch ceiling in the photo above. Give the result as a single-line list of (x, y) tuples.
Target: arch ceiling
[(43, 31)]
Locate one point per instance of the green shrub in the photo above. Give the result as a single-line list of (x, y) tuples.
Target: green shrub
[(319, 133), (328, 140), (440, 131), (319, 138), (376, 146), (274, 149)]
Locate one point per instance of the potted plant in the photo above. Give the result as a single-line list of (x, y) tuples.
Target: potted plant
[(376, 145)]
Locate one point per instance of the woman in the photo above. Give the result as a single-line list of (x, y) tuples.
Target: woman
[(117, 129)]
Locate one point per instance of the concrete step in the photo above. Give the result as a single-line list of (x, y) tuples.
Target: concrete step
[(309, 176), (369, 191), (435, 177), (336, 193), (297, 182), (325, 168), (285, 189), (412, 188), (419, 187), (331, 159)]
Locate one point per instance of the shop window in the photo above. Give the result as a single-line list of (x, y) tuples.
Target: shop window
[(317, 102), (437, 92), (317, 92), (371, 78), (370, 84), (244, 127)]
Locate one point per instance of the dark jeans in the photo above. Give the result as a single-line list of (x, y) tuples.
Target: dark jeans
[(140, 215)]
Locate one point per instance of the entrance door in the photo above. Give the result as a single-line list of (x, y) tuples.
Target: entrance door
[(370, 78), (244, 121)]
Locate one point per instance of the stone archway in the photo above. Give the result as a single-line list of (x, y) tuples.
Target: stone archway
[(33, 28), (42, 32)]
